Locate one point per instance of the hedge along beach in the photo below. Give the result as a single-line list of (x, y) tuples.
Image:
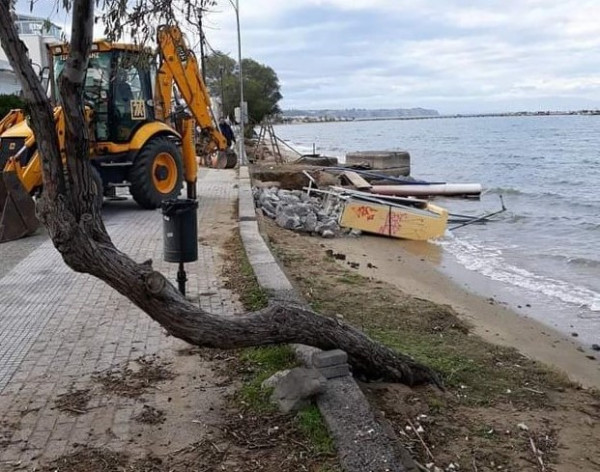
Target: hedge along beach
[(532, 278)]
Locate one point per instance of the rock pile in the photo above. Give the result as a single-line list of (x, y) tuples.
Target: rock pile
[(295, 210)]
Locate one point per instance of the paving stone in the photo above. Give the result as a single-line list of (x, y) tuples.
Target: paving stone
[(329, 358), (335, 371), (57, 327)]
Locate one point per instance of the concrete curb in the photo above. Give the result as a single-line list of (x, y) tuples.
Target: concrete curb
[(363, 444)]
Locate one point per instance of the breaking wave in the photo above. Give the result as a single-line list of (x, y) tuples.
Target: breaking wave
[(575, 261), (490, 262)]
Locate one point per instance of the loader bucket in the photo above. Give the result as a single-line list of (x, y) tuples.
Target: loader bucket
[(17, 219)]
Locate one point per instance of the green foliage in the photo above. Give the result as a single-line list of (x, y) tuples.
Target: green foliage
[(261, 85), (312, 425), (8, 102), (263, 362), (261, 90)]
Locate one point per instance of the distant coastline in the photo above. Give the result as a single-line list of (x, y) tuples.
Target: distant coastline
[(326, 116)]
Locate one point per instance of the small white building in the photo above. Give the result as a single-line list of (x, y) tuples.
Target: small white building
[(8, 81), (35, 33)]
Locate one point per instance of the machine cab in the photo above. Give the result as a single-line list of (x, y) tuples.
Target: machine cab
[(118, 88)]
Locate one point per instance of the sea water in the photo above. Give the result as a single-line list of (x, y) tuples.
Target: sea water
[(543, 254)]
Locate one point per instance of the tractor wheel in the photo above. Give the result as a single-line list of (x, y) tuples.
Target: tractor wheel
[(156, 174), (99, 186)]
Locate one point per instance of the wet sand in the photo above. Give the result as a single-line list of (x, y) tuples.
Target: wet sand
[(414, 267)]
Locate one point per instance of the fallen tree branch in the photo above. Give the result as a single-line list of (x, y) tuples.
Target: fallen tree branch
[(78, 233)]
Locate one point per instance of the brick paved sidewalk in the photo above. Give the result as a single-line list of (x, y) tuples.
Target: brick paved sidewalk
[(58, 328)]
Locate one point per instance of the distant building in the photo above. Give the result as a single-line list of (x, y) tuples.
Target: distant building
[(8, 81), (35, 33)]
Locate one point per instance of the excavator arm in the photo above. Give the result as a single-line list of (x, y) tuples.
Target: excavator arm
[(179, 66), (11, 119)]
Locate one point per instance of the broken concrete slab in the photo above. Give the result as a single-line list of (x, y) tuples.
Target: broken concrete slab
[(296, 389), (272, 381), (380, 159), (295, 210)]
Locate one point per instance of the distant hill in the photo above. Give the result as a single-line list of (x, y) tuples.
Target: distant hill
[(358, 113)]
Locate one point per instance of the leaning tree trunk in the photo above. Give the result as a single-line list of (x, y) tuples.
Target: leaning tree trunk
[(77, 231)]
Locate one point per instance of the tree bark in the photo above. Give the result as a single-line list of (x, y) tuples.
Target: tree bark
[(77, 231)]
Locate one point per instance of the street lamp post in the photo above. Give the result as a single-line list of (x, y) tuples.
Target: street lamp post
[(236, 7)]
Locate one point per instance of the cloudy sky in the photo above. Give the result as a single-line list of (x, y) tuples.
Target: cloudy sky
[(451, 55)]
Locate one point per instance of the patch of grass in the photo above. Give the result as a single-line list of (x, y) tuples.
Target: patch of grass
[(239, 275), (436, 404), (269, 359), (257, 364), (350, 279), (479, 374), (260, 363), (476, 372), (311, 424)]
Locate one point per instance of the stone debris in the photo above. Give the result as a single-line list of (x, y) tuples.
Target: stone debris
[(295, 390), (296, 210), (272, 381), (329, 358), (332, 364)]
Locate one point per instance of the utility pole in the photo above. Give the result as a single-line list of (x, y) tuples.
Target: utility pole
[(242, 117), (222, 92), (199, 12)]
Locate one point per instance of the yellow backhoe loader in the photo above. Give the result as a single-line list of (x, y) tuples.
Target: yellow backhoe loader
[(145, 132)]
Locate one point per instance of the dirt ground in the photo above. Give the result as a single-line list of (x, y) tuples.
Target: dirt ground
[(414, 268), (500, 410)]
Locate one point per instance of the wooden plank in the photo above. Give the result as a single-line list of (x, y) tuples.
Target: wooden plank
[(356, 180), (419, 203)]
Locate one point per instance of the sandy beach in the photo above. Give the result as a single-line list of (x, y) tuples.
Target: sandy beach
[(504, 374), (412, 267), (423, 270)]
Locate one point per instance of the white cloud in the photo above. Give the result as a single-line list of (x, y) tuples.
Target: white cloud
[(451, 54)]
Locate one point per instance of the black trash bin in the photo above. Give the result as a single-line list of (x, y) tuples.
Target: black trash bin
[(180, 234), (180, 230)]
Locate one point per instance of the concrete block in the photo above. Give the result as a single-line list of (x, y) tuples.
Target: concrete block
[(272, 381), (244, 174), (329, 358), (379, 159), (297, 388), (271, 277), (335, 371)]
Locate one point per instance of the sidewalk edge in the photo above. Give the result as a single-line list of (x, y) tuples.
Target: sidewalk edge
[(362, 442)]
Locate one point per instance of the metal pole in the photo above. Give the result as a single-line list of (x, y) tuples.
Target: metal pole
[(181, 278), (202, 59), (223, 115), (241, 140)]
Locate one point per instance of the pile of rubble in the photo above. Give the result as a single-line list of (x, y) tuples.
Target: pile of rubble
[(296, 210)]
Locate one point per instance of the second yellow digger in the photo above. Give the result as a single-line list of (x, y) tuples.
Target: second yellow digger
[(145, 132)]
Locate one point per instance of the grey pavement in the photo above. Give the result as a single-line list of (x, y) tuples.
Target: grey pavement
[(58, 328)]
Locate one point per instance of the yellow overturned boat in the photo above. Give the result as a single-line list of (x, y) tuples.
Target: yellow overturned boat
[(404, 218)]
